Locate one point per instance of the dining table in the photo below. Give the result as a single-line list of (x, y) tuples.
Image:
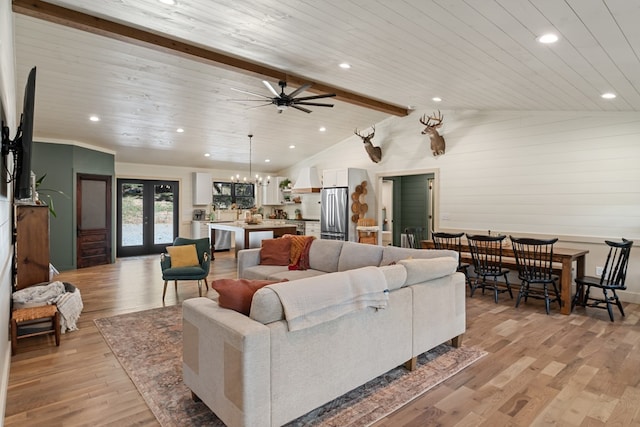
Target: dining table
[(562, 257)]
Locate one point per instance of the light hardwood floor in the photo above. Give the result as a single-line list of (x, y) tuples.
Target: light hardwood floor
[(577, 370)]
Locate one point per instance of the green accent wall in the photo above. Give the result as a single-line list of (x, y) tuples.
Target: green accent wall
[(410, 203), (61, 163)]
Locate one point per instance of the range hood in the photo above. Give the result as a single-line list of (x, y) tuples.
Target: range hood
[(307, 182)]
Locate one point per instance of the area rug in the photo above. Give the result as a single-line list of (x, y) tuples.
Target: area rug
[(148, 345)]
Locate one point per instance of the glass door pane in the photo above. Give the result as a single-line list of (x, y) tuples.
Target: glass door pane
[(132, 214), (163, 214), (147, 216)]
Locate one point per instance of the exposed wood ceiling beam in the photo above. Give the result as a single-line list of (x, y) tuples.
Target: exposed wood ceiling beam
[(93, 24)]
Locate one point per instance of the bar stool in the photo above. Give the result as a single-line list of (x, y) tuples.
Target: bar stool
[(31, 316)]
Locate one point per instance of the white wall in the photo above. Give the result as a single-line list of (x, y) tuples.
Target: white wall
[(572, 175), (8, 100)]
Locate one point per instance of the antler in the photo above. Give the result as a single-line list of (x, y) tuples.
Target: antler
[(426, 120), (368, 137)]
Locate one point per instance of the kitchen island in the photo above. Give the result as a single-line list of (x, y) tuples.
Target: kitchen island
[(251, 235)]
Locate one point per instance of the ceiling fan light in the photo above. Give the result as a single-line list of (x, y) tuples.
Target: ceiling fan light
[(281, 107)]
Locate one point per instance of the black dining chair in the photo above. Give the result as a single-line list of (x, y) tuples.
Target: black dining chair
[(452, 241), (612, 279), (534, 258), (486, 253), (414, 236)]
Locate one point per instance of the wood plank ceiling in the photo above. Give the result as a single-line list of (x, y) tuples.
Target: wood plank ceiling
[(474, 54)]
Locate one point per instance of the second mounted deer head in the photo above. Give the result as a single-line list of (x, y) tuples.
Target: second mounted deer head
[(375, 153), (431, 129)]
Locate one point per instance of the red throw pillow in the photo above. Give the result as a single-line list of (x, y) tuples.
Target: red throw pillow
[(275, 251), (237, 294)]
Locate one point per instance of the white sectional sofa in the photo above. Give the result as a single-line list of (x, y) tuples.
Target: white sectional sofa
[(254, 371)]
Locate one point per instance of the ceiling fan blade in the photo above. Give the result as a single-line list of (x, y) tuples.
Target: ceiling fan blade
[(256, 106), (315, 104), (271, 89), (300, 90), (250, 93), (248, 100), (299, 108), (307, 98)]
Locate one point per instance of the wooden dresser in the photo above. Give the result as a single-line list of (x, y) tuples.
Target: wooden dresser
[(32, 245)]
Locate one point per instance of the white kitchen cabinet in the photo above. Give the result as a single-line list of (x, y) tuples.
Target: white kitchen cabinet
[(202, 186), (335, 178), (312, 228), (271, 193)]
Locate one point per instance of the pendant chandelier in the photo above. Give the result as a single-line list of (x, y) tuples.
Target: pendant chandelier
[(257, 180)]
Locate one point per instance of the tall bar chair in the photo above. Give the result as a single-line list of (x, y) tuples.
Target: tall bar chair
[(612, 279), (486, 253), (452, 241), (534, 258)]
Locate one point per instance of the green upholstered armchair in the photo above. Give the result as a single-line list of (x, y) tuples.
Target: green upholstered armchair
[(185, 269)]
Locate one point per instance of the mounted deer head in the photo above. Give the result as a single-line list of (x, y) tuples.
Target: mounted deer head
[(375, 153), (431, 129)]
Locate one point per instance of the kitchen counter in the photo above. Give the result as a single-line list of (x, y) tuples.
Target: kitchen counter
[(251, 235)]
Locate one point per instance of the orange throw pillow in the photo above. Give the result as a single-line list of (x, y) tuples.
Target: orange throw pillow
[(299, 251), (275, 252), (237, 294)]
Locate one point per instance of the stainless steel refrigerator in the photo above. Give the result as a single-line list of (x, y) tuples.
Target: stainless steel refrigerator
[(334, 214)]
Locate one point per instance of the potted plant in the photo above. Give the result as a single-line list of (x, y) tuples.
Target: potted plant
[(285, 183), (40, 190)]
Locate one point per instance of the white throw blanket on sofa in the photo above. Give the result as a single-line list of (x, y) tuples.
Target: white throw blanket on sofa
[(327, 297)]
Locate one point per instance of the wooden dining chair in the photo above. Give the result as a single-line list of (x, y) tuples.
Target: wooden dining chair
[(486, 253), (611, 280), (534, 258), (452, 241)]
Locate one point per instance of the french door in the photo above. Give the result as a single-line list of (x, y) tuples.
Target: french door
[(147, 216)]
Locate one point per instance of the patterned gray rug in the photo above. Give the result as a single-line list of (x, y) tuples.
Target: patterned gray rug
[(151, 354)]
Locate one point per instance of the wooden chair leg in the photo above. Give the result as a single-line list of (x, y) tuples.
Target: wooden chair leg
[(175, 285), (164, 291), (56, 325), (199, 288), (206, 284)]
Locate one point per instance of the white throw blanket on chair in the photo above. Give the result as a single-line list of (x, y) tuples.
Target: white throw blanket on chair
[(69, 303), (327, 297)]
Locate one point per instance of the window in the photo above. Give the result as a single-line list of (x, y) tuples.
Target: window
[(227, 193)]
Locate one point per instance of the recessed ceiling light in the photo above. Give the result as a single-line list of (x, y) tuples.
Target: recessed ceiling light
[(292, 146), (207, 154), (608, 95), (179, 130), (436, 99), (345, 66), (548, 38), (169, 2), (94, 118), (267, 160), (322, 129)]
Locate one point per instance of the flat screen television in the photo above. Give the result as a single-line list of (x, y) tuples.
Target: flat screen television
[(24, 141)]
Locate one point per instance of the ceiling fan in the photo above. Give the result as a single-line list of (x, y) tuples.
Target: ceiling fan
[(282, 101)]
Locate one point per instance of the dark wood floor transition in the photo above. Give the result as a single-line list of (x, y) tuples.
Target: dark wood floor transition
[(578, 370)]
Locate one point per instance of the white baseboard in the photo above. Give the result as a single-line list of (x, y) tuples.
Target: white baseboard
[(5, 383)]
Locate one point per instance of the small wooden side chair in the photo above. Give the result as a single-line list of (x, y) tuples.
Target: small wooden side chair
[(367, 236), (31, 316)]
